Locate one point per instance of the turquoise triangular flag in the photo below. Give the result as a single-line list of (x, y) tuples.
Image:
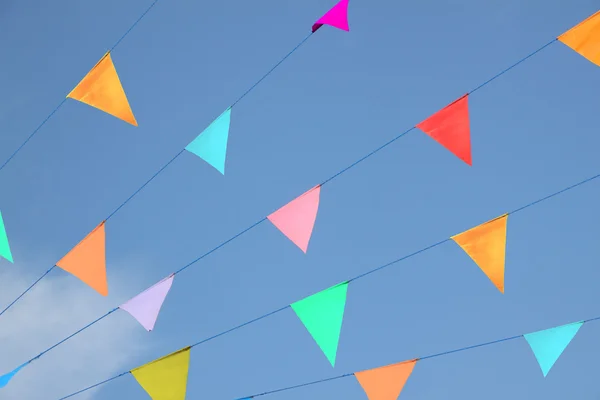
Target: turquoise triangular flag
[(4, 379), (211, 144), (322, 315), (549, 344), (4, 246)]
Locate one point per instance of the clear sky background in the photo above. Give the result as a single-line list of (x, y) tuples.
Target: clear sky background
[(534, 131)]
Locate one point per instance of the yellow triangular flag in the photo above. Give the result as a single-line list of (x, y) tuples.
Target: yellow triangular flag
[(165, 378), (486, 245), (584, 38), (102, 89)]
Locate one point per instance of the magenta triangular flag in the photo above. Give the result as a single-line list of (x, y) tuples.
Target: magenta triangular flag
[(336, 17), (296, 219), (145, 306)]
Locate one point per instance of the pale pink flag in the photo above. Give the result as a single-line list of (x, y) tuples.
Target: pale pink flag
[(336, 17), (145, 306), (296, 219)]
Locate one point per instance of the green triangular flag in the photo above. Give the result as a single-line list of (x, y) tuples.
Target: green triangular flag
[(4, 246), (322, 315), (211, 144)]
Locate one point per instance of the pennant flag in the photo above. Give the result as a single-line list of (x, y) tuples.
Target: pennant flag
[(336, 17), (584, 38), (296, 219), (450, 128), (549, 344), (165, 378), (211, 144), (101, 88), (87, 260), (322, 315), (486, 245), (145, 306), (385, 383), (4, 246), (4, 379)]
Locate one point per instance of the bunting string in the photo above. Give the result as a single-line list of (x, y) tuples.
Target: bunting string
[(321, 313), (500, 286), (334, 176), (35, 131), (379, 268), (156, 174), (427, 357)]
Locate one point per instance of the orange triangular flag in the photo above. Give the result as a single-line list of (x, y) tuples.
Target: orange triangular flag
[(102, 89), (450, 128), (584, 38), (385, 383), (486, 245), (87, 260)]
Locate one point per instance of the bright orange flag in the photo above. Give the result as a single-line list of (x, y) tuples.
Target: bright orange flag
[(584, 38), (87, 260), (450, 127), (385, 383), (102, 89), (486, 245)]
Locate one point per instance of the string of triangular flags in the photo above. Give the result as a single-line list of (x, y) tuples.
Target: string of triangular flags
[(166, 377), (449, 127), (322, 313), (102, 89), (296, 220)]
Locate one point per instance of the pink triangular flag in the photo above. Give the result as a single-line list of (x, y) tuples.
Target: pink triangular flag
[(297, 218), (336, 17), (145, 306)]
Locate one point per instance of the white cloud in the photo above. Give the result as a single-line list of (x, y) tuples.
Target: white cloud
[(58, 306)]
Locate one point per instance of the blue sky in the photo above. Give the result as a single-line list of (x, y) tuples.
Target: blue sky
[(339, 97)]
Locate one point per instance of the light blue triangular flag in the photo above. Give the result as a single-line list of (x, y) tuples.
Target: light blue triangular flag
[(211, 144), (549, 344), (4, 379)]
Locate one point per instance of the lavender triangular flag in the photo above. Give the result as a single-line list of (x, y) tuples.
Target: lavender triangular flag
[(145, 306)]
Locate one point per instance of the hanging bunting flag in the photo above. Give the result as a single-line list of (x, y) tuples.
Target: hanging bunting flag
[(4, 379), (87, 260), (584, 38), (102, 89), (145, 306), (211, 144), (385, 383), (336, 17), (549, 344), (322, 315), (165, 378), (296, 219), (4, 246), (450, 128), (486, 245)]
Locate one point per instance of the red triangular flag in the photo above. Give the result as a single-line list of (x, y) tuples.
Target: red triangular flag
[(296, 219), (450, 128)]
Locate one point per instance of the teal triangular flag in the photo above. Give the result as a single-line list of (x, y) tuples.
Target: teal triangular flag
[(211, 144), (4, 246), (322, 315), (549, 344)]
